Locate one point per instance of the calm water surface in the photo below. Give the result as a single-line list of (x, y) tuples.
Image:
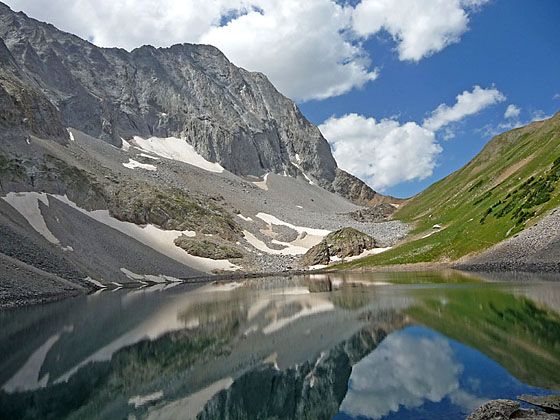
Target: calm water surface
[(381, 346)]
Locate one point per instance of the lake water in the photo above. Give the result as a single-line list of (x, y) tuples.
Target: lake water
[(343, 346)]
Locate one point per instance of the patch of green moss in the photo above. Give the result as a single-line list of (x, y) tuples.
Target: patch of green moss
[(207, 249), (520, 204), (76, 180), (11, 169), (171, 209)]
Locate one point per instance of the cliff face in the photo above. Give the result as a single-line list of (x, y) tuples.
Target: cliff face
[(229, 115), (24, 107)]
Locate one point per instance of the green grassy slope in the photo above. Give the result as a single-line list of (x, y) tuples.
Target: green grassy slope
[(505, 188)]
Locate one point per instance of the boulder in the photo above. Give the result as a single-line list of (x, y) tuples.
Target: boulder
[(343, 243)]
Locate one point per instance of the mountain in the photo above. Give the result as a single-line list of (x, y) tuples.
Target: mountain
[(123, 168), (511, 185), (229, 115)]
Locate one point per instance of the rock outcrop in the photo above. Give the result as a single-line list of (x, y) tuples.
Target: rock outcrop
[(229, 115), (376, 213), (207, 249), (24, 107), (343, 243), (508, 409), (171, 209)]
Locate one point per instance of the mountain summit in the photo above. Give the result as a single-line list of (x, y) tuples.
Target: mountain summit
[(229, 115)]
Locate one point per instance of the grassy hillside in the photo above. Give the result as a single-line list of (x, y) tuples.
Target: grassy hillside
[(510, 184)]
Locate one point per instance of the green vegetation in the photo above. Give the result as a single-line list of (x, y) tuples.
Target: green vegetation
[(515, 332), (11, 170), (523, 201), (509, 185), (78, 184), (207, 249), (171, 209)]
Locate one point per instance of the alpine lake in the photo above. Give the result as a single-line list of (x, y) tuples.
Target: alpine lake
[(412, 345)]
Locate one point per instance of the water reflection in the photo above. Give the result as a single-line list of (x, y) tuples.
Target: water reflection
[(414, 368), (387, 345)]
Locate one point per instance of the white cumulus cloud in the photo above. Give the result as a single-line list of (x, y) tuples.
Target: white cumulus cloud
[(468, 103), (512, 111), (382, 153), (419, 27), (309, 50), (385, 153)]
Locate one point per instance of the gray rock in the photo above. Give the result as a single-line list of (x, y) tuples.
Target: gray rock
[(207, 248), (495, 410), (343, 243), (508, 409), (535, 249), (373, 214), (24, 107), (548, 402)]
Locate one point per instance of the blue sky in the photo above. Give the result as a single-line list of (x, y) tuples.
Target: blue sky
[(511, 44), (405, 91)]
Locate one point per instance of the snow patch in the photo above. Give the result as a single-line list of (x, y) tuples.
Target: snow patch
[(140, 400), (161, 278), (247, 219), (262, 184), (273, 220), (317, 267), (70, 135), (95, 282), (125, 145), (133, 164), (27, 204), (365, 253), (148, 156), (289, 249), (175, 149), (304, 174)]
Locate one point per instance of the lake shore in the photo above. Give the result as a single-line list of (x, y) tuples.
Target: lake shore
[(40, 287)]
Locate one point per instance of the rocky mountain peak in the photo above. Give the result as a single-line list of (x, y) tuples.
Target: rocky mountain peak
[(229, 115)]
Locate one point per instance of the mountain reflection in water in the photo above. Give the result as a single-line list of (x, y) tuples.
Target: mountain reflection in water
[(393, 345)]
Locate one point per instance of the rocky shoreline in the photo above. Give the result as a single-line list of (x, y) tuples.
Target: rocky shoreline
[(534, 250)]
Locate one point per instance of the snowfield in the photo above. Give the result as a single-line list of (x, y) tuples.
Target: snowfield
[(133, 164), (175, 149)]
